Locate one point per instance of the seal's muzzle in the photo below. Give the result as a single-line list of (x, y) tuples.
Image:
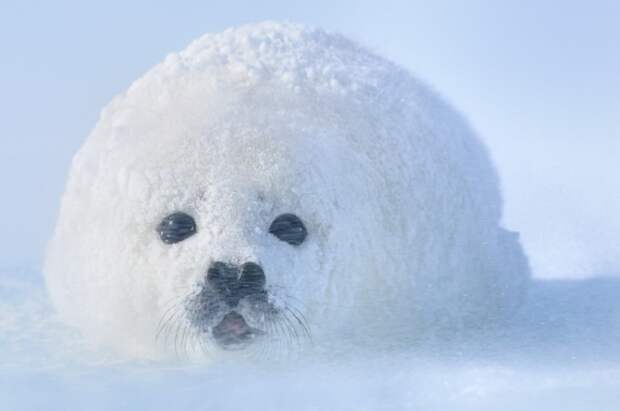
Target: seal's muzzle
[(234, 331)]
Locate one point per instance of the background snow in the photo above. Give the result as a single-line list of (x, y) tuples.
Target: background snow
[(540, 84), (561, 353)]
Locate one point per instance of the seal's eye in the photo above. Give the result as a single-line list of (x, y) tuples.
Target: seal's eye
[(289, 228), (176, 227)]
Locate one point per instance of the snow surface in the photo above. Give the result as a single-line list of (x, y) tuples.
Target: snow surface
[(560, 353)]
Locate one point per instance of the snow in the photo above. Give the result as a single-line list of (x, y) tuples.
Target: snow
[(561, 352)]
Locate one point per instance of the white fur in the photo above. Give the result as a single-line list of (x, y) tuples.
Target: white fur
[(399, 197)]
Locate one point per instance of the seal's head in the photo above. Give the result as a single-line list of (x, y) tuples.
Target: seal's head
[(271, 182)]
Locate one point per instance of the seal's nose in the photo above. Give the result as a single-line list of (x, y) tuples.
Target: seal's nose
[(233, 282), (252, 279)]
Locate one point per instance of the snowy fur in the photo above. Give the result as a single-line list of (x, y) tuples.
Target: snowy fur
[(399, 197)]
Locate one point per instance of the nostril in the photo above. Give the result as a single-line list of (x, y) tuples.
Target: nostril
[(222, 276), (252, 278), (232, 283)]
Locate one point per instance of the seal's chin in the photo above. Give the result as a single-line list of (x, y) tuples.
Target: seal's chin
[(233, 332)]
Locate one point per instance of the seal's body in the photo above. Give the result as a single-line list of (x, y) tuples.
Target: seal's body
[(273, 181)]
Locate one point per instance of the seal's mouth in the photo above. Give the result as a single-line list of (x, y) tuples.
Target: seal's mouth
[(234, 332)]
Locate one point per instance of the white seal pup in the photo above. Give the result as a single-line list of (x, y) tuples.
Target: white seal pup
[(273, 181)]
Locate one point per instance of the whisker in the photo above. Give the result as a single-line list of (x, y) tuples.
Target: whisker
[(292, 330), (166, 319), (184, 335), (186, 323), (280, 335), (300, 320), (294, 311), (167, 328)]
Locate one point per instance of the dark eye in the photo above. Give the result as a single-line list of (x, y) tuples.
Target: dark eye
[(176, 227), (289, 228)]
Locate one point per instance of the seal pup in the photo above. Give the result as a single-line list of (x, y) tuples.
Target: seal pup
[(275, 181)]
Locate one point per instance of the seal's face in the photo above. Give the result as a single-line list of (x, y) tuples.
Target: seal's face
[(228, 289), (241, 233), (235, 244), (261, 235), (234, 231)]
